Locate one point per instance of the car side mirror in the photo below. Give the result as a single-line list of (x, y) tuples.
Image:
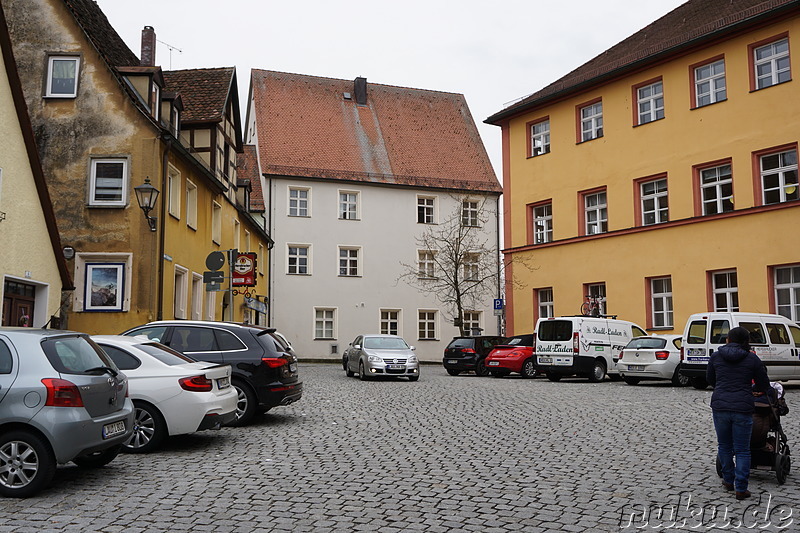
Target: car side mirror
[(357, 346), (413, 347)]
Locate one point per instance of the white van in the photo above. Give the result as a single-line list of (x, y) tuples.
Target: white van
[(582, 345), (774, 338)]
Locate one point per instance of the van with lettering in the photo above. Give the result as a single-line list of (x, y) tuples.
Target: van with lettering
[(774, 338), (582, 346)]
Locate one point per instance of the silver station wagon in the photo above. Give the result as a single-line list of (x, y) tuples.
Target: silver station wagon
[(61, 399), (375, 356)]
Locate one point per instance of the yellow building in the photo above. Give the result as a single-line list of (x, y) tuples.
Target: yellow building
[(661, 177)]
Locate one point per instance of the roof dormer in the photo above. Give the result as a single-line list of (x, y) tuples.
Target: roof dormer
[(147, 83)]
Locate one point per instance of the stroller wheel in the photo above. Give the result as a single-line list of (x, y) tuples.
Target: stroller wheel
[(719, 467), (783, 464)]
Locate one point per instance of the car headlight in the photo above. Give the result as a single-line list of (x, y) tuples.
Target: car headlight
[(412, 358), (374, 359)]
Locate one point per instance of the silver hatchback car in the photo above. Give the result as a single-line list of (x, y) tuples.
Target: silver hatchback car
[(380, 355), (61, 399)]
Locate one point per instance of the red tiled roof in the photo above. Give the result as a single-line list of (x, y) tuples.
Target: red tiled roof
[(402, 136), (204, 91), (248, 169), (690, 24)]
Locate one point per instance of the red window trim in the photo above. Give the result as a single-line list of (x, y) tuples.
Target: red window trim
[(637, 196), (582, 207), (529, 218), (773, 305), (648, 291), (536, 290), (635, 99), (758, 185), (751, 61), (578, 130), (693, 80), (528, 134), (696, 169)]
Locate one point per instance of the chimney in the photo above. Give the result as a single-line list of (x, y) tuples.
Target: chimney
[(148, 47), (360, 89)]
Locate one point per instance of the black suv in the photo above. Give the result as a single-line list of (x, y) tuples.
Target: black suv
[(264, 367), (465, 354)]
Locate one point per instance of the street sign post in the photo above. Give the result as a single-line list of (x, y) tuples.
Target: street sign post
[(498, 306), (213, 276)]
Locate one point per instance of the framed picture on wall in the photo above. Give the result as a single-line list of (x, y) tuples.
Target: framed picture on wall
[(105, 284)]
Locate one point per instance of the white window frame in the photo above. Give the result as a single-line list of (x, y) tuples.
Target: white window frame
[(650, 102), (710, 85), (654, 203), (787, 293), (472, 322), (545, 302), (237, 235), (49, 87), (191, 204), (785, 188), (296, 269), (470, 210), (174, 190), (471, 265), (211, 305), (197, 296), (730, 292), (427, 324), (774, 71), (299, 205), (181, 292), (325, 323), (543, 223), (591, 117), (598, 291), (348, 261), (390, 322), (125, 181), (718, 178), (661, 302), (426, 264), (261, 259), (540, 138), (349, 208), (81, 301), (216, 222), (426, 209), (599, 210)]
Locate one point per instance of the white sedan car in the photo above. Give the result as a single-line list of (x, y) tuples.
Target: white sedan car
[(172, 394), (652, 357)]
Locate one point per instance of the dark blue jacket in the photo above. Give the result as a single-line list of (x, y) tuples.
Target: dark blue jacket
[(731, 371)]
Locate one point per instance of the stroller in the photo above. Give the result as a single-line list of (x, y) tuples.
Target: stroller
[(769, 449)]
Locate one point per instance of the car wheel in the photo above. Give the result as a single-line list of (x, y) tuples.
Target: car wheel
[(631, 381), (97, 459), (245, 404), (480, 369), (149, 430), (598, 372), (27, 464), (679, 380), (553, 377), (362, 374), (699, 383), (528, 369), (453, 372)]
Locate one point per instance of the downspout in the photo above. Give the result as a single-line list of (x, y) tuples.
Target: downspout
[(270, 278), (161, 227), (500, 330)]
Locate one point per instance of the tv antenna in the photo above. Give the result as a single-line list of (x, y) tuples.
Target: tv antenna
[(171, 48)]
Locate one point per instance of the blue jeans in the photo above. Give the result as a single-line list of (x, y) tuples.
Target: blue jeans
[(733, 439)]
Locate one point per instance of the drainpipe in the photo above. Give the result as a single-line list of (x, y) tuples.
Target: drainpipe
[(270, 279), (500, 264), (161, 227)]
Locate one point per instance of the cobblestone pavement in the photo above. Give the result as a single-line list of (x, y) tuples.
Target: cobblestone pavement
[(443, 454)]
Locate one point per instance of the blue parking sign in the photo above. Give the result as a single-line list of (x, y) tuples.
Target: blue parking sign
[(498, 303)]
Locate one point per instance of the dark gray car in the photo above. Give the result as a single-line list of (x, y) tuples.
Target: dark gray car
[(61, 399)]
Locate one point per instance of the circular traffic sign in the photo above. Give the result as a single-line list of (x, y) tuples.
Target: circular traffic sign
[(215, 260)]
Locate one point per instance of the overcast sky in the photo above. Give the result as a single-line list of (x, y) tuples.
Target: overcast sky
[(492, 51)]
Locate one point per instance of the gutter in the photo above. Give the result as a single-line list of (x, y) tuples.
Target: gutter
[(161, 230)]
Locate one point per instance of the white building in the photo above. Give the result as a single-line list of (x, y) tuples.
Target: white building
[(352, 174)]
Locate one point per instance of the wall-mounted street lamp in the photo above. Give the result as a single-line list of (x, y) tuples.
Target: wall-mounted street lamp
[(147, 195)]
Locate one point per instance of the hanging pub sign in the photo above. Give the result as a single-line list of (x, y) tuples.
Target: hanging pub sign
[(244, 270)]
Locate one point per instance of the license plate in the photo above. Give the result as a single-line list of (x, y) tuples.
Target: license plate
[(451, 361), (292, 367), (546, 360), (494, 363), (635, 368), (223, 383), (111, 430), (395, 367)]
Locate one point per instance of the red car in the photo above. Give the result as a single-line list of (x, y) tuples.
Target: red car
[(515, 355)]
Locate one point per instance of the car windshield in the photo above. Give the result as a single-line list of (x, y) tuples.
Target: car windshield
[(385, 343), (76, 355), (646, 343), (166, 355)]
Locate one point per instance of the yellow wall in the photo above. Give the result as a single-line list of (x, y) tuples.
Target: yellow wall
[(746, 122)]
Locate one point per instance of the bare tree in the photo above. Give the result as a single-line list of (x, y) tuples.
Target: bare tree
[(458, 263)]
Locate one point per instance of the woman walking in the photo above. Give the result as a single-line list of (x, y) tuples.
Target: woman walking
[(735, 372)]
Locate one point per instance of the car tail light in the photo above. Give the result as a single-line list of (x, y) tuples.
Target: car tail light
[(681, 353), (534, 344), (273, 362), (621, 354), (467, 350), (62, 393), (576, 343), (196, 384), (661, 356)]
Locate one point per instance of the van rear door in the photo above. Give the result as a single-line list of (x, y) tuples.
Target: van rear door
[(554, 343)]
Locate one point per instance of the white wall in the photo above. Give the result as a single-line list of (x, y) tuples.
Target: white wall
[(386, 234)]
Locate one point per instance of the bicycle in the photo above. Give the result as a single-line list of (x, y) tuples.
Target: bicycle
[(591, 307)]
